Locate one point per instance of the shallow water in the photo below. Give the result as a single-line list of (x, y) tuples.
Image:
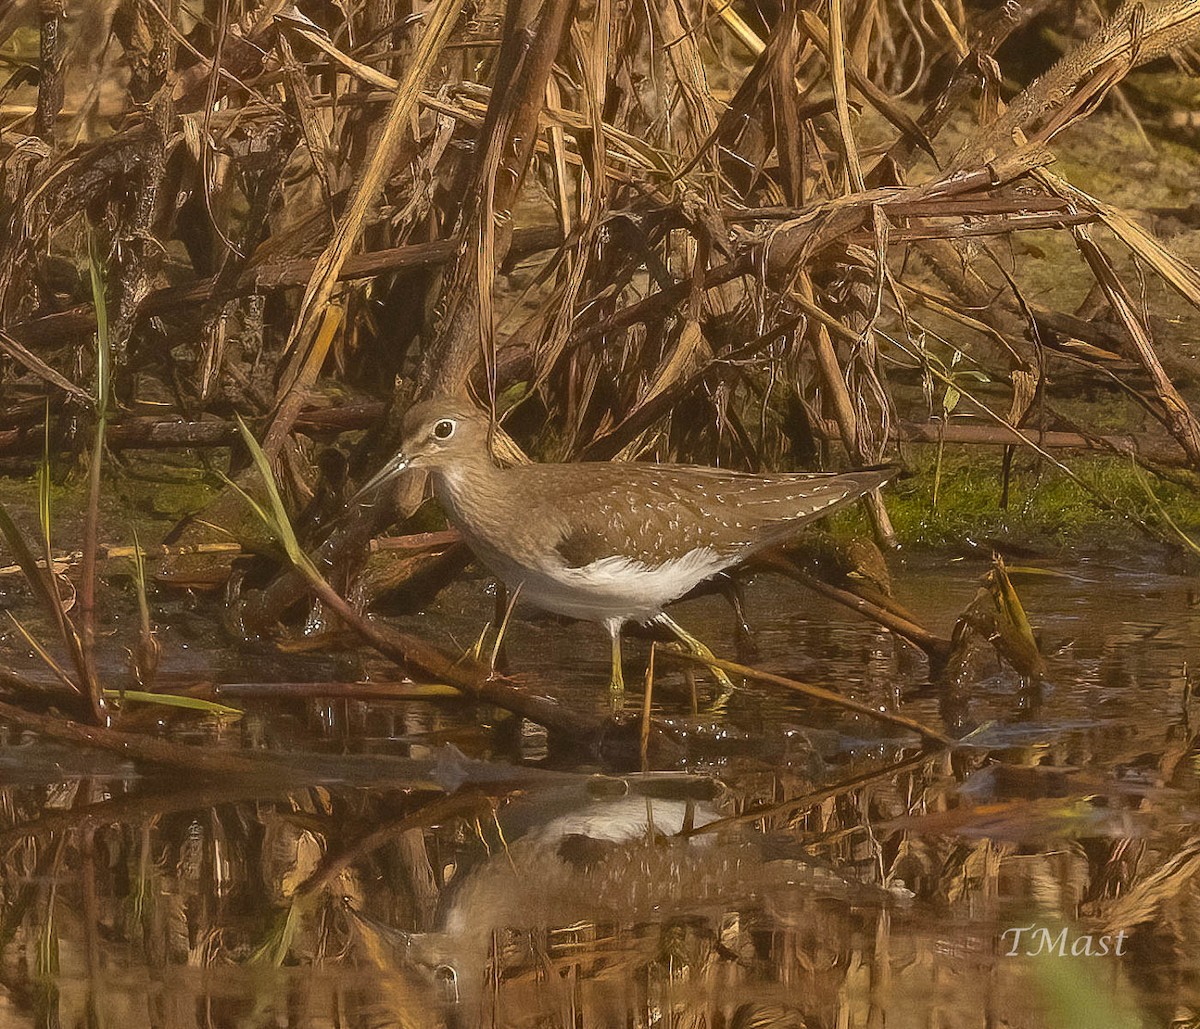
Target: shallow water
[(356, 886)]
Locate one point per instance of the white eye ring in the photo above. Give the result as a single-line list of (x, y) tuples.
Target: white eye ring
[(443, 429)]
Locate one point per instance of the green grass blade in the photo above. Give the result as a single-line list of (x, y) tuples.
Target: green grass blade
[(47, 658), (1165, 515), (103, 349), (139, 582), (276, 519), (210, 707), (44, 485)]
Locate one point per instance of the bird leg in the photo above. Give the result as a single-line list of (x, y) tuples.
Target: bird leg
[(616, 683), (502, 595), (731, 589), (694, 646)]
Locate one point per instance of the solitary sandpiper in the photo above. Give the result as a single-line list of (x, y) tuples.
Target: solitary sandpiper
[(607, 541)]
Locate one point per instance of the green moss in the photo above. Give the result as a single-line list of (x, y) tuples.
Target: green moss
[(164, 492), (149, 494), (1045, 506)]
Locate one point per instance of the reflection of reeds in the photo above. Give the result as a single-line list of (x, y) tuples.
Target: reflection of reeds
[(779, 909)]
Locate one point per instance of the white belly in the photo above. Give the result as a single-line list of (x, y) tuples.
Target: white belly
[(614, 589)]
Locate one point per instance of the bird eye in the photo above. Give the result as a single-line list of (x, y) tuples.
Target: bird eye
[(443, 429)]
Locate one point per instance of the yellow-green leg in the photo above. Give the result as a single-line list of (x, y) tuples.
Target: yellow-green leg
[(695, 646), (616, 682)]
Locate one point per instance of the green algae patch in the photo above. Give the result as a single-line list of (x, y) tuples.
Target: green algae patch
[(148, 495), (1114, 502)]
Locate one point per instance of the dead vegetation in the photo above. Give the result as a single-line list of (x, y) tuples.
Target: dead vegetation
[(738, 235), (752, 234), (708, 233)]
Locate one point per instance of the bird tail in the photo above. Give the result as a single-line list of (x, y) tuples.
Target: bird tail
[(832, 494)]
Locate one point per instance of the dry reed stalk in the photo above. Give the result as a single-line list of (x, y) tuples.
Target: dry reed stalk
[(311, 333)]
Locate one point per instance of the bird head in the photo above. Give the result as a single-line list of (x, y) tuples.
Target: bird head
[(435, 433)]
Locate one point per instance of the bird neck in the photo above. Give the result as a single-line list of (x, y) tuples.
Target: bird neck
[(467, 486)]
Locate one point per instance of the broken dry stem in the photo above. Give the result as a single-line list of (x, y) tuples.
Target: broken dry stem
[(821, 694)]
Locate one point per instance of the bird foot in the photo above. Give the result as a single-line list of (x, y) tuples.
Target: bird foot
[(704, 654)]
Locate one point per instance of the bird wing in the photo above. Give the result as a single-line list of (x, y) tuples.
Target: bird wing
[(658, 513)]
